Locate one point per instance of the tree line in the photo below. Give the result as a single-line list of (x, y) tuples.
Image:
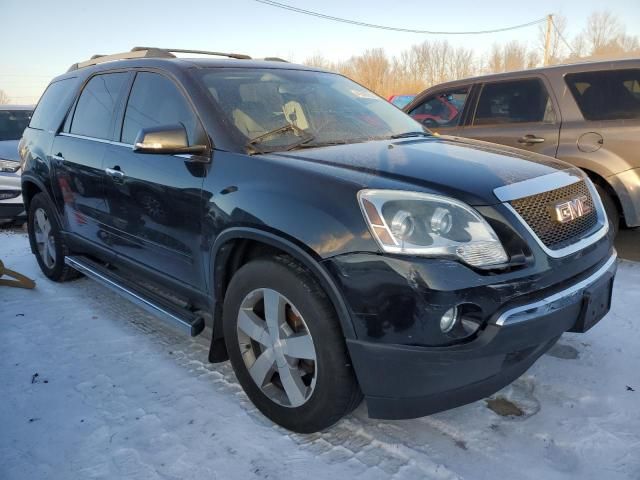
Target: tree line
[(432, 62)]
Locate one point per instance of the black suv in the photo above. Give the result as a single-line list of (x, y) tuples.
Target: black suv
[(335, 247)]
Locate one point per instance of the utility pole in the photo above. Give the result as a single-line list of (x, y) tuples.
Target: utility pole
[(547, 40)]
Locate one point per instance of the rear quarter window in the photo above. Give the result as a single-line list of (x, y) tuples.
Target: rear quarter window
[(53, 104), (606, 95)]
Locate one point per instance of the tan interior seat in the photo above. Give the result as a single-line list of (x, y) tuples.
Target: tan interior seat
[(246, 124), (294, 114)]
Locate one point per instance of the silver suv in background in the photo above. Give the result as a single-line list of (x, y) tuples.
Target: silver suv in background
[(13, 120), (586, 114)]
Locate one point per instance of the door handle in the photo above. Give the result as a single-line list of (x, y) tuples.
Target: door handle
[(530, 139), (115, 173), (57, 158)]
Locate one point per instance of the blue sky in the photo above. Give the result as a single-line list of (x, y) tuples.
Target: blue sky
[(42, 38)]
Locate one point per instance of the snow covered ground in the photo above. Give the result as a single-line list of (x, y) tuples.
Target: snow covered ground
[(93, 387)]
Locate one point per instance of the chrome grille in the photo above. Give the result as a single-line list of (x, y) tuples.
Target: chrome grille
[(539, 213)]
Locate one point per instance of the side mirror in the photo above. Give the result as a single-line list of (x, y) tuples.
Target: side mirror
[(165, 139)]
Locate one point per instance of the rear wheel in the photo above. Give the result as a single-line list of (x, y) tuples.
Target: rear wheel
[(286, 346), (611, 208), (46, 240)]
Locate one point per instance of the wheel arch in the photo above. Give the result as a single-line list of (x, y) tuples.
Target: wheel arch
[(603, 183), (238, 245), (31, 187)]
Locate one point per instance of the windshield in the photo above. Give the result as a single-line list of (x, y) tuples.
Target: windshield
[(324, 108), (13, 123)]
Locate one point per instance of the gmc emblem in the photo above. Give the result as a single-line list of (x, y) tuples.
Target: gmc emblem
[(572, 209)]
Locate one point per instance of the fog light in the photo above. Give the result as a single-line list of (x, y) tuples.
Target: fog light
[(449, 319)]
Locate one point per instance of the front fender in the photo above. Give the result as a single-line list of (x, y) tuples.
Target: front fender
[(220, 255)]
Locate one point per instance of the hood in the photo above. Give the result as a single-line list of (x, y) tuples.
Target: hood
[(466, 169), (9, 150)]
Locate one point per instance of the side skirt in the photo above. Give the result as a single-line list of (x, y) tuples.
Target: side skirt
[(184, 320)]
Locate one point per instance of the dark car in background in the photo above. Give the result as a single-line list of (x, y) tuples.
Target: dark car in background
[(13, 120), (587, 114), (335, 248)]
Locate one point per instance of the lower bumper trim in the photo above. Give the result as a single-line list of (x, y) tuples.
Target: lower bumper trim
[(557, 300), (413, 407), (10, 211)]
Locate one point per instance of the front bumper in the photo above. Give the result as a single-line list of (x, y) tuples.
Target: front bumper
[(12, 211), (404, 381), (11, 208)]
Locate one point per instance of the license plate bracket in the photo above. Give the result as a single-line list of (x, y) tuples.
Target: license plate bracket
[(596, 303)]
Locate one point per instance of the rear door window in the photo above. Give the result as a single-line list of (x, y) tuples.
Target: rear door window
[(517, 101), (53, 104), (155, 100), (94, 110), (606, 95), (442, 109)]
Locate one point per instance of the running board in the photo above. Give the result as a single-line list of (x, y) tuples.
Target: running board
[(186, 321)]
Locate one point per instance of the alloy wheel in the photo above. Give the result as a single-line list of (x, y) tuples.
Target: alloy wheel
[(44, 238), (277, 347)]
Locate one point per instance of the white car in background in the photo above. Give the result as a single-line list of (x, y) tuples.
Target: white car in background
[(13, 120)]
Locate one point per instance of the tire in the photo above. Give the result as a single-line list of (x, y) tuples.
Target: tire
[(611, 208), (326, 387), (47, 243)]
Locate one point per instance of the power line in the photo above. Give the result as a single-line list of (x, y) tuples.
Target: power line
[(562, 36), (284, 6)]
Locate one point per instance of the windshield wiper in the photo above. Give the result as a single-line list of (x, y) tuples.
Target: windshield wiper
[(410, 134), (252, 144), (311, 144)]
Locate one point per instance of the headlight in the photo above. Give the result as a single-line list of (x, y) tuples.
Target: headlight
[(8, 166), (415, 223)]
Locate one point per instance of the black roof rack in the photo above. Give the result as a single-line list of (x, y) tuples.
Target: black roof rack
[(151, 52)]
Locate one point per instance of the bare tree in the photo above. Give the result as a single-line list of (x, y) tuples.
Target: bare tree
[(533, 59), (318, 60), (433, 62), (4, 98), (629, 44), (578, 47), (515, 54), (462, 64), (512, 56), (495, 62), (372, 69), (602, 31)]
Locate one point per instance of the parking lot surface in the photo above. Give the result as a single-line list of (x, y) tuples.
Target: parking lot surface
[(93, 387)]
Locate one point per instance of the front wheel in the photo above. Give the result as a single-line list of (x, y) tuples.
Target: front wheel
[(45, 236), (286, 346)]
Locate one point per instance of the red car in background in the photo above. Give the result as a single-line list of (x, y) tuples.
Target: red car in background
[(437, 111)]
